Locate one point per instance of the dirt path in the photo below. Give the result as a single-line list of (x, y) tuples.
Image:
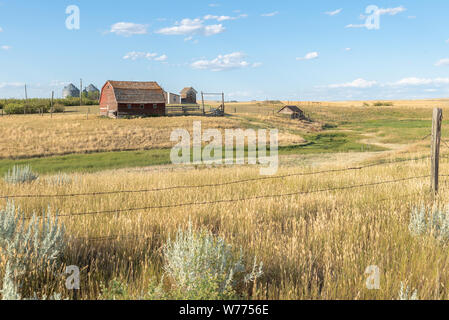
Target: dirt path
[(373, 139), (312, 160), (348, 159)]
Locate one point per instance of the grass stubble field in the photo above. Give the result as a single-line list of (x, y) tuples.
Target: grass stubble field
[(313, 245)]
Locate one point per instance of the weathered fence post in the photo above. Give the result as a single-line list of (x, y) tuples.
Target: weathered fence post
[(51, 104), (223, 101), (437, 120), (202, 100)]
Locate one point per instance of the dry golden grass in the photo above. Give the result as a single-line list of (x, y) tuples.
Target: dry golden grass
[(314, 246), (35, 136)]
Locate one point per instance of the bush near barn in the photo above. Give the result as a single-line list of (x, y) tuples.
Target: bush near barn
[(33, 106)]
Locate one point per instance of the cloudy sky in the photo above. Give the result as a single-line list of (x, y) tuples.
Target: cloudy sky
[(287, 49)]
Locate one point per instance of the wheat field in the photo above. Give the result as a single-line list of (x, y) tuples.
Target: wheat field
[(315, 234)]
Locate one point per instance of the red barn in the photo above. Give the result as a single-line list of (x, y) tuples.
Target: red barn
[(131, 98)]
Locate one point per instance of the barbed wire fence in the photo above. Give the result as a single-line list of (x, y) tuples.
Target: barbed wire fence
[(434, 157)]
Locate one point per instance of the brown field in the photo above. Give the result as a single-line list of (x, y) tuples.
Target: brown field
[(35, 136)]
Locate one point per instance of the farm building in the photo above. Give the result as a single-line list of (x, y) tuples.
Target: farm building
[(172, 98), (293, 111), (188, 95), (130, 98), (70, 91), (92, 90)]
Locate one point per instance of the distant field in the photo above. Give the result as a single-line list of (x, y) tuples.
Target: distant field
[(28, 136), (337, 127)]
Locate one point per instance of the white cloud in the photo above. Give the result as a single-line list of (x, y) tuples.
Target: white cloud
[(230, 61), (192, 26), (6, 47), (213, 29), (356, 26), (392, 11), (257, 64), (447, 41), (442, 62), (358, 83), (414, 81), (161, 58), (191, 39), (334, 13), (224, 18), (144, 55), (309, 56), (1, 29), (270, 14), (128, 29), (11, 84), (348, 49), (405, 82), (57, 83)]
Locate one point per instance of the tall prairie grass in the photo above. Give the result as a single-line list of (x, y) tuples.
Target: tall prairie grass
[(312, 246)]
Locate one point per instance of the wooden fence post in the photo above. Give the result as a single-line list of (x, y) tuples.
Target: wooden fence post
[(51, 104), (202, 100), (435, 148)]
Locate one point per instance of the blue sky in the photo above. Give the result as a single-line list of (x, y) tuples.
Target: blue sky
[(287, 49)]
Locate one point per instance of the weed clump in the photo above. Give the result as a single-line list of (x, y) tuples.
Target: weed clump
[(27, 247), (434, 222), (20, 174)]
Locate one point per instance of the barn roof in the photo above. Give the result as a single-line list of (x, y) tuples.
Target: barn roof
[(151, 85), (137, 92), (187, 89), (293, 109)]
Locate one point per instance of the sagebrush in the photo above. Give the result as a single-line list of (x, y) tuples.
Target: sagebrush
[(27, 246), (20, 174)]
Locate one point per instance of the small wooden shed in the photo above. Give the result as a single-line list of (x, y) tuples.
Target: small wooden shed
[(132, 98), (188, 95), (293, 111)]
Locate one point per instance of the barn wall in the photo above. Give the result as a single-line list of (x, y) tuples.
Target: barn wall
[(107, 100), (189, 98), (148, 109), (286, 111)]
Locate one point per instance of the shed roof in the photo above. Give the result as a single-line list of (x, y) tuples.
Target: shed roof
[(293, 109), (187, 89), (137, 92)]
